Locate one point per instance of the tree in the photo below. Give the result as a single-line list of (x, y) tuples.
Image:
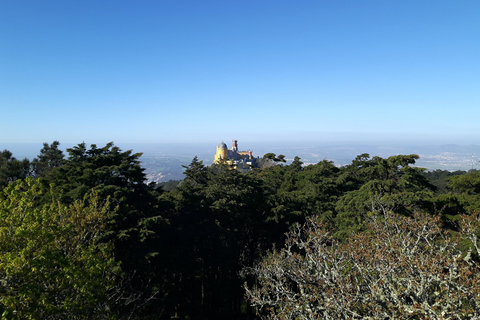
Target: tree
[(279, 184), (218, 220), (439, 178), (270, 155), (196, 173), (296, 165), (108, 169), (53, 264), (319, 187), (390, 184), (12, 169), (281, 158), (111, 173), (401, 268), (463, 195), (137, 226), (50, 157), (467, 183), (269, 160)]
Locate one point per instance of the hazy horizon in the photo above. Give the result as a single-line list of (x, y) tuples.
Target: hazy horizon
[(166, 159), (184, 147)]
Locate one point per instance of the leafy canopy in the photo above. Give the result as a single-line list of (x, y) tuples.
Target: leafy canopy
[(52, 262)]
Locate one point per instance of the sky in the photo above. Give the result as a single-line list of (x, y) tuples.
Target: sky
[(254, 70)]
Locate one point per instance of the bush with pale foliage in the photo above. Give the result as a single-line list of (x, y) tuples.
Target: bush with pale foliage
[(400, 268)]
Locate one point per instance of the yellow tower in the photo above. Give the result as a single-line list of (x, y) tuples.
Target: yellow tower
[(222, 152)]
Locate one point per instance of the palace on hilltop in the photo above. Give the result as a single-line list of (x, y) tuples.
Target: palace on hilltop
[(241, 160)]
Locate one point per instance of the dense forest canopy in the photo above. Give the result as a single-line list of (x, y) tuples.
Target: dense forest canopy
[(84, 235)]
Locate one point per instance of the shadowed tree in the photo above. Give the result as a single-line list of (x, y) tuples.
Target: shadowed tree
[(12, 169), (380, 184), (50, 157), (137, 227)]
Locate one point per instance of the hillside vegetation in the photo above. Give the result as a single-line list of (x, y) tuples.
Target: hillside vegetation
[(84, 236)]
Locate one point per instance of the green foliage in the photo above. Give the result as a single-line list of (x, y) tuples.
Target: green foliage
[(218, 226), (273, 156), (196, 173), (269, 156), (319, 187), (168, 185), (467, 184), (440, 178), (460, 196), (296, 165), (52, 262), (12, 169), (181, 249), (111, 173), (380, 185), (137, 227), (50, 157), (108, 170), (296, 193)]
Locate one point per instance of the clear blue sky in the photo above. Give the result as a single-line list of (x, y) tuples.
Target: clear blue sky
[(254, 70)]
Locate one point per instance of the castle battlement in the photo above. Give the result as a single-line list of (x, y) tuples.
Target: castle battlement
[(242, 160)]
